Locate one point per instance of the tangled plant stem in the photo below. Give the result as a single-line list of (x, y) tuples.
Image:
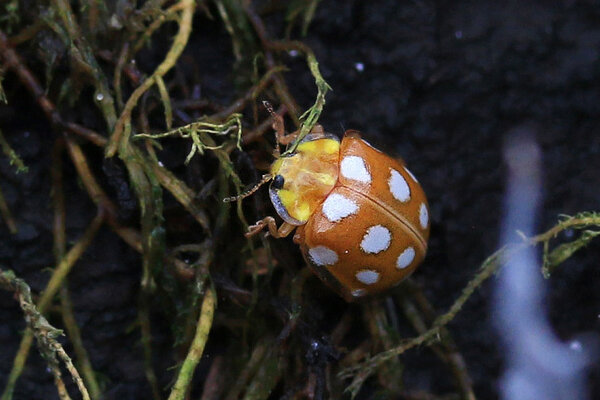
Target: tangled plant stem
[(13, 157), (192, 359), (123, 126), (60, 249), (310, 117), (54, 284), (197, 131), (360, 372), (45, 334)]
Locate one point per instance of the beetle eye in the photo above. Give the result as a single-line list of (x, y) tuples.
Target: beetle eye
[(278, 182)]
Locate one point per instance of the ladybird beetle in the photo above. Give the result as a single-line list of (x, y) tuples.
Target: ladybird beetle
[(362, 217)]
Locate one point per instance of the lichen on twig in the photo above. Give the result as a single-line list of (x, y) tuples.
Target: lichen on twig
[(54, 284), (196, 131), (12, 155), (122, 130), (360, 372), (580, 222), (186, 372), (44, 333)]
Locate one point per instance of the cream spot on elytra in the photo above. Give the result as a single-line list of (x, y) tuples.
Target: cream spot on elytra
[(423, 216), (398, 186), (367, 276), (405, 258), (353, 167), (376, 239), (322, 255), (336, 207), (359, 292)]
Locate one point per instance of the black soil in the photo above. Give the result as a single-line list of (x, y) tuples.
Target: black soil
[(440, 84)]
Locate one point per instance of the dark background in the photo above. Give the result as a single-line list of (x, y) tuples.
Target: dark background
[(443, 84)]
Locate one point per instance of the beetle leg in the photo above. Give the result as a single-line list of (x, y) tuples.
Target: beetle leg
[(290, 137), (279, 127), (284, 230), (318, 129), (286, 139)]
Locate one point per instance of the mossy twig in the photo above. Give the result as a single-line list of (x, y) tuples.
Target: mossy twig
[(45, 334), (281, 88), (249, 370), (74, 334), (268, 375), (146, 338), (446, 350), (54, 284), (166, 100), (62, 354), (169, 14), (186, 372), (83, 55), (362, 371), (7, 215), (197, 131), (306, 8), (310, 116), (183, 194), (60, 246), (120, 135), (13, 157), (390, 373), (14, 62), (553, 258), (251, 94)]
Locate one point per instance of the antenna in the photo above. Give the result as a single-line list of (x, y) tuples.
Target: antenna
[(277, 126), (265, 178), (269, 107)]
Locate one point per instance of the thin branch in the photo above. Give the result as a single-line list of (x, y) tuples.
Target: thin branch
[(122, 129), (146, 339), (168, 15), (446, 350), (184, 377), (7, 215), (82, 53), (45, 334), (14, 62), (362, 371), (280, 86), (250, 95), (60, 246), (72, 370), (311, 116), (56, 280), (12, 155)]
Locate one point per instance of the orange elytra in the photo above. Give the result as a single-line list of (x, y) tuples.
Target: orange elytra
[(362, 218)]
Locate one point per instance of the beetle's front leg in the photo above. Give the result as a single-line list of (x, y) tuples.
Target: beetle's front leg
[(279, 126), (284, 139), (284, 230)]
